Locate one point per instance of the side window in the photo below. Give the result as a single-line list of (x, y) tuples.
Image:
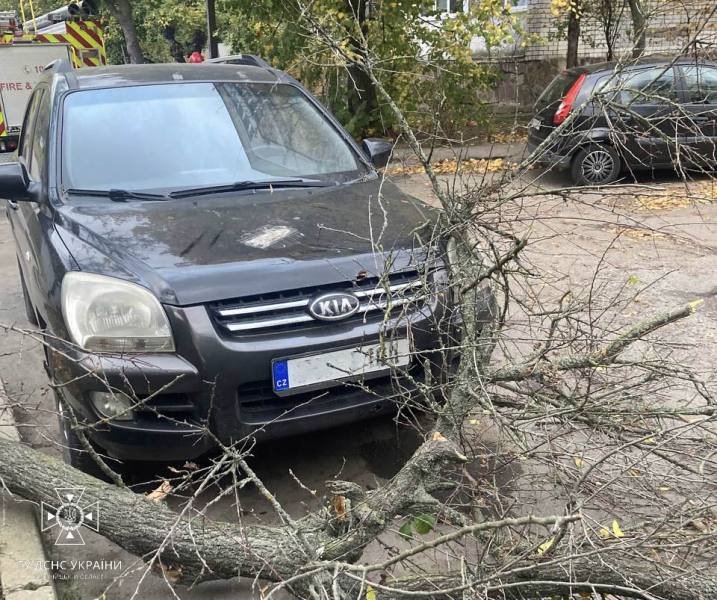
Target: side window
[(28, 125), (649, 86), (701, 84), (39, 138)]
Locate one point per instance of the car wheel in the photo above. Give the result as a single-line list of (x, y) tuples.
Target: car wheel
[(596, 165), (73, 451), (29, 310)]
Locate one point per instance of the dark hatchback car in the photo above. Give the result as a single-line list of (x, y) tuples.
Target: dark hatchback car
[(630, 118), (211, 252)]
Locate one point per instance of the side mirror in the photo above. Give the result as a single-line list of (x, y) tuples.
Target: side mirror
[(14, 182), (377, 150)]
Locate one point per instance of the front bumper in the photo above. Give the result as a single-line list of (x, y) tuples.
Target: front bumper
[(220, 385)]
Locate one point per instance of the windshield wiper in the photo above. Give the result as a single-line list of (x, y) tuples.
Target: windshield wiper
[(241, 186), (116, 195)]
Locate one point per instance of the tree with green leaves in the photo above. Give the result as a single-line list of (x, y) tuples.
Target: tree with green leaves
[(425, 55)]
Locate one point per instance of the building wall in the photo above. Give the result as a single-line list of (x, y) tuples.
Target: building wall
[(672, 24)]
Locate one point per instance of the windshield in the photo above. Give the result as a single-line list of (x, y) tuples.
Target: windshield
[(188, 135)]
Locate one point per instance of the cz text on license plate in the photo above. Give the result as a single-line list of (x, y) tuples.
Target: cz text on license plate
[(305, 371)]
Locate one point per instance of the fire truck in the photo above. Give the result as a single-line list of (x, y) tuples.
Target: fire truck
[(31, 42)]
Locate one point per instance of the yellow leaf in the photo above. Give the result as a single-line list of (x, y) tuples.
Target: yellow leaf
[(616, 530), (544, 547), (604, 533), (370, 594), (694, 304), (664, 489), (578, 462), (651, 440), (474, 421)]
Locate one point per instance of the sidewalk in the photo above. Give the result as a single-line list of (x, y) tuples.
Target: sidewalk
[(20, 539), (486, 150)]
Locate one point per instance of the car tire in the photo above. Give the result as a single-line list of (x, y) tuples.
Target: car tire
[(598, 164), (73, 451), (29, 309)]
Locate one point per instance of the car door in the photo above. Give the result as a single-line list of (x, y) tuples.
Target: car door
[(647, 106), (697, 125), (32, 219), (24, 152)]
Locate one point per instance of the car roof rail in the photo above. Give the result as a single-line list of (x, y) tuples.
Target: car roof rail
[(60, 65), (251, 60)]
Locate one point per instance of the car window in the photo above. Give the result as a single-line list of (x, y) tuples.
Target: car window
[(701, 84), (27, 126), (557, 89), (39, 138), (182, 135), (648, 86)]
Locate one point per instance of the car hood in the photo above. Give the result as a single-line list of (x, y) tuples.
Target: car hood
[(196, 250)]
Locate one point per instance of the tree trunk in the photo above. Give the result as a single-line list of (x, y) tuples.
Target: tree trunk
[(573, 36), (362, 98), (200, 549), (639, 26), (121, 10)]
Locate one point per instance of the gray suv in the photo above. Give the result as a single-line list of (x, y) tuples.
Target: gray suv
[(214, 257)]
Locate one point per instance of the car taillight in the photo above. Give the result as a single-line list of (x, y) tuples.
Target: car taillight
[(562, 113)]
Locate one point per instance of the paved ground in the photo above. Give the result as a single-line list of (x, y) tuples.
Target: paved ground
[(572, 239)]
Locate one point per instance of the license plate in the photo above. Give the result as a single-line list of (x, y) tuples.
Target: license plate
[(534, 124), (339, 365)]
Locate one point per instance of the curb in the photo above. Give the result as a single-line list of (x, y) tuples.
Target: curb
[(488, 151), (20, 538)]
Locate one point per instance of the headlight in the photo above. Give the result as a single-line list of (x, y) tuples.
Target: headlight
[(104, 314)]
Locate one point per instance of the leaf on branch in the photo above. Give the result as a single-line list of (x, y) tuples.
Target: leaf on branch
[(370, 593), (339, 503), (405, 530), (424, 523), (544, 547), (161, 492)]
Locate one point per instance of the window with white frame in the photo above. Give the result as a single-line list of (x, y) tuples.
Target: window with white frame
[(456, 6)]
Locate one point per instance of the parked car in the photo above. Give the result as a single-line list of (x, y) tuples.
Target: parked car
[(200, 236), (632, 118)]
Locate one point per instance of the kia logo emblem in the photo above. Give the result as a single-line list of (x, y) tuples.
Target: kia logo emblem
[(333, 306)]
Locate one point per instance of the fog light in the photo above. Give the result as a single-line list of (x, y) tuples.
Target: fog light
[(113, 405)]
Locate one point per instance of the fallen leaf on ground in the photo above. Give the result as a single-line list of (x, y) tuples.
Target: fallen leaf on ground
[(544, 547), (173, 574), (339, 503), (161, 492)]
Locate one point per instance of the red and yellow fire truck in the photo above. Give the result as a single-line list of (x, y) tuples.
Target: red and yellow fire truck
[(28, 43)]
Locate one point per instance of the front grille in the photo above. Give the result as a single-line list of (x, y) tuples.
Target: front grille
[(287, 309), (259, 404)]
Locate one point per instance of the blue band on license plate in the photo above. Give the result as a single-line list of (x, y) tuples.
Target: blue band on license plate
[(280, 370)]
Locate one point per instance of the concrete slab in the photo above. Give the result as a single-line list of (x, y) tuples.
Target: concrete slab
[(20, 539)]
